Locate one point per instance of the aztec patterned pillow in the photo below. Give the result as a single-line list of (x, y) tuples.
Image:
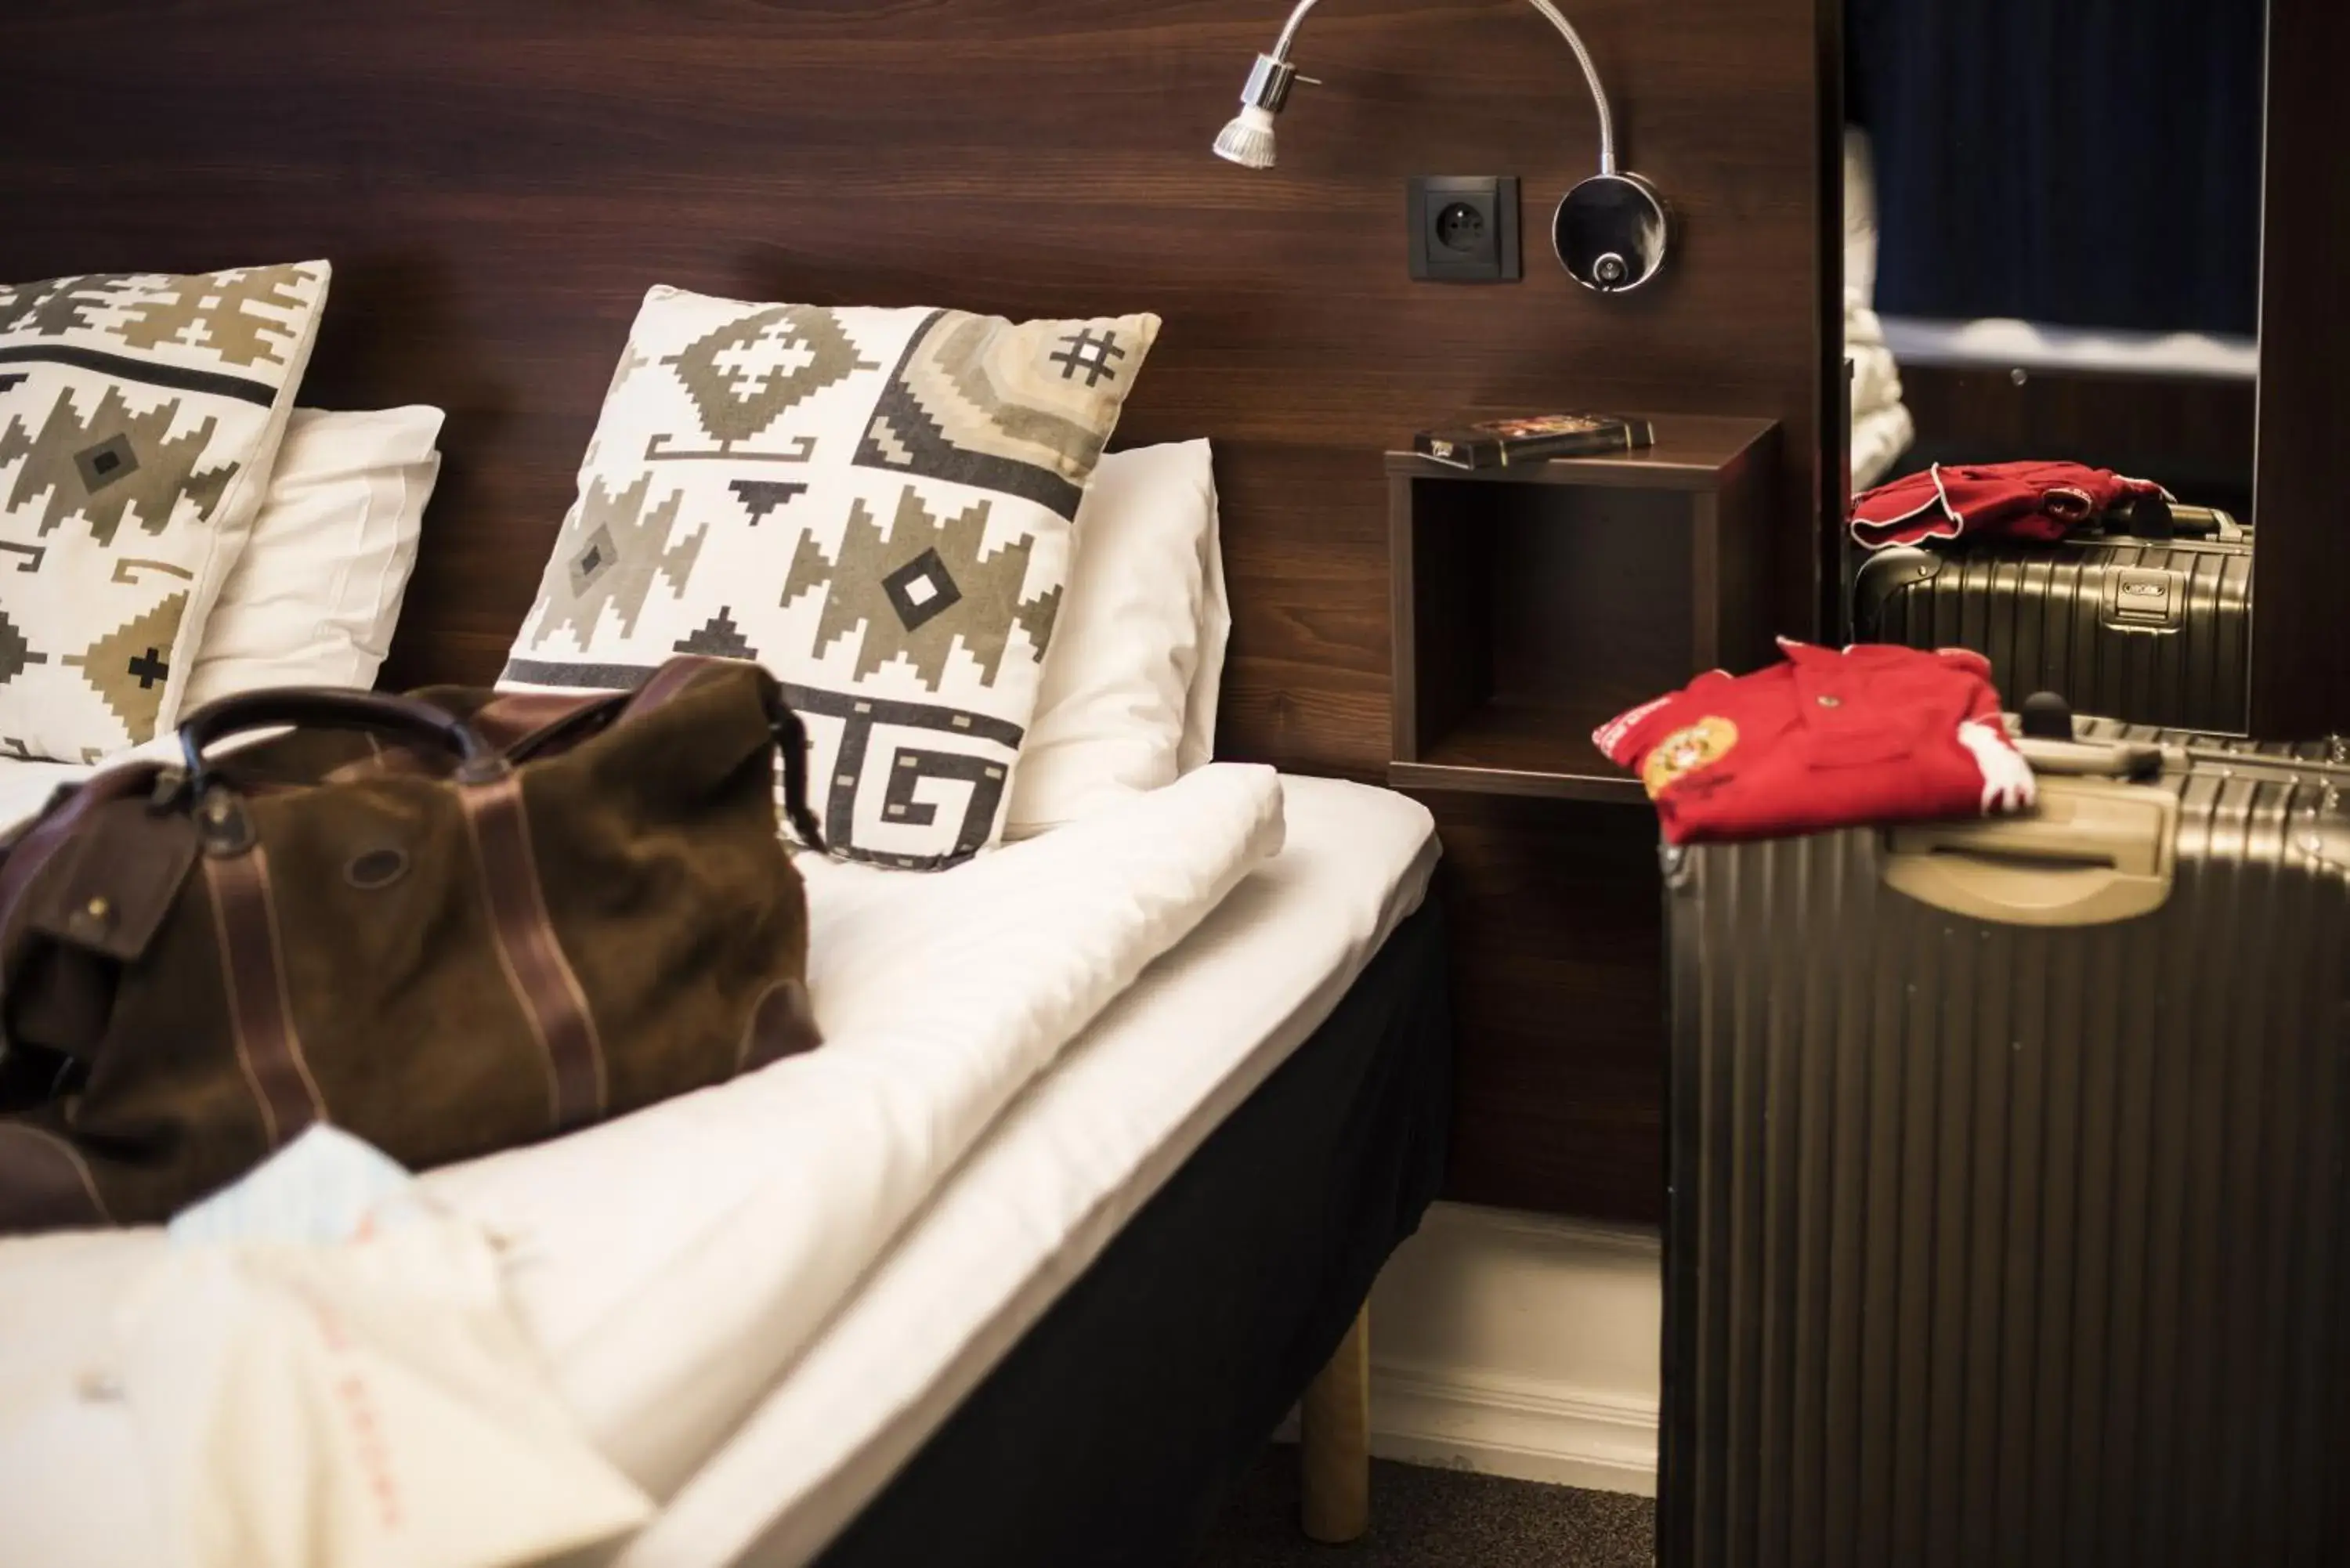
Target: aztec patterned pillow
[(876, 504), (139, 416)]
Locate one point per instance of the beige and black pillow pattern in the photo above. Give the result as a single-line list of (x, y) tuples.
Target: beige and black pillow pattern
[(874, 504), (139, 416)]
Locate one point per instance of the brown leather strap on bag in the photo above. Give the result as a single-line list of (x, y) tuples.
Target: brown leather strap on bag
[(539, 975), (261, 1016)]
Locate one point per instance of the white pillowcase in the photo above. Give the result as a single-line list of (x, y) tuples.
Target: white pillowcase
[(1127, 695), (315, 597), (1199, 747)]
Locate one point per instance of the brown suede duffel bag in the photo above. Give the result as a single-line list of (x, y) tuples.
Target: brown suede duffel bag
[(449, 922)]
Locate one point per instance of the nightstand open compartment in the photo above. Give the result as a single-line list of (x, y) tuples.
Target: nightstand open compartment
[(1533, 603)]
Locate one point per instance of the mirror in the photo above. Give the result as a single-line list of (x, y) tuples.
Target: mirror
[(2053, 234)]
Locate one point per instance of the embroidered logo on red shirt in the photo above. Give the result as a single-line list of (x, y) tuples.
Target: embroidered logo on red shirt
[(1686, 750)]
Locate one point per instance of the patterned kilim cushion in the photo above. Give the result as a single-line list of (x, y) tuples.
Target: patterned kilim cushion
[(139, 416), (875, 504)]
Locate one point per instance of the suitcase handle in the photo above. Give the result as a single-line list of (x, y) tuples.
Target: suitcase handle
[(2092, 852), (2091, 759), (2154, 519)]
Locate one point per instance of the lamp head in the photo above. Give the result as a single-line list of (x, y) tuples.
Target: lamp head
[(1247, 138)]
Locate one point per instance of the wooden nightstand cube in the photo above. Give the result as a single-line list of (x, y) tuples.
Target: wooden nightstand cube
[(1531, 604)]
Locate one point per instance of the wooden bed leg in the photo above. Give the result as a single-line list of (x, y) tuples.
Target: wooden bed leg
[(1333, 1442)]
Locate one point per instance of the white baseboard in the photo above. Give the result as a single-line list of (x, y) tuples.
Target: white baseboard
[(1522, 1345), (1513, 1427)]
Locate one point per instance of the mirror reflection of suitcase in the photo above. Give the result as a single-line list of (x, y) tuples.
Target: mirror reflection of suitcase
[(2148, 619), (2006, 1218)]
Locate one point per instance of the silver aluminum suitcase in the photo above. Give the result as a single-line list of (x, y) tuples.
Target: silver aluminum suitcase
[(2155, 628), (2007, 1166)]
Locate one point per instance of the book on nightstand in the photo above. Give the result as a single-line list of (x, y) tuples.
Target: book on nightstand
[(1498, 443)]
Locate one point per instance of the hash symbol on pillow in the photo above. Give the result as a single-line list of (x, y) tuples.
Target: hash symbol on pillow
[(1021, 408)]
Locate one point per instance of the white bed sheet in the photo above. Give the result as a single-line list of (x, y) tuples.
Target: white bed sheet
[(26, 785), (1056, 1177)]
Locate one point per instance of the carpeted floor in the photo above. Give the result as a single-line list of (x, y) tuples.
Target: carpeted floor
[(1434, 1518)]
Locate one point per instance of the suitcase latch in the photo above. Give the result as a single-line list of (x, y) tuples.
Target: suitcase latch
[(2145, 598)]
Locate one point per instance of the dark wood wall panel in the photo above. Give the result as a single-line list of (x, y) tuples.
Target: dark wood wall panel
[(2301, 641), (498, 181)]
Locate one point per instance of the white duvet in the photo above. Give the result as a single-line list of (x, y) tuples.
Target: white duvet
[(940, 998)]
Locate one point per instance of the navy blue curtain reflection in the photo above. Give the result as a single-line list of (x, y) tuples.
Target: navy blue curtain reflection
[(2089, 162)]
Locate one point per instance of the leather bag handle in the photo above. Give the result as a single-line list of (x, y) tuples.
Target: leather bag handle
[(335, 708), (791, 749)]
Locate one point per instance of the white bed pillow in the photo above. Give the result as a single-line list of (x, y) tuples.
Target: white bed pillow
[(1116, 697), (877, 504), (139, 415), (314, 596), (1215, 630)]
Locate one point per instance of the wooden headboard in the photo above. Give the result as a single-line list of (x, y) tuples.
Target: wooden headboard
[(497, 182)]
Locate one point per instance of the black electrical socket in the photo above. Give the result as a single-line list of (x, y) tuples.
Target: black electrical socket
[(1463, 227)]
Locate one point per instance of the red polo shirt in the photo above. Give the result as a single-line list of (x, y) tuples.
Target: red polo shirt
[(1824, 740), (2041, 501)]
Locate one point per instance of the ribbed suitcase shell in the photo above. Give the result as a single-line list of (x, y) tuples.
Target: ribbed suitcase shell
[(2046, 618), (2006, 1245)]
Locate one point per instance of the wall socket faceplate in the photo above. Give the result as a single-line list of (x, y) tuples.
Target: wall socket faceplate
[(1463, 227)]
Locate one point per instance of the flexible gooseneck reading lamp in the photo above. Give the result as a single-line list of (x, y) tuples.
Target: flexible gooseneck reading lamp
[(1609, 231)]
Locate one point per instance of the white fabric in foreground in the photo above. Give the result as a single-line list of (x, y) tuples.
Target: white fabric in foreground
[(314, 596), (248, 1400), (670, 1264), (1127, 647), (1055, 1178)]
